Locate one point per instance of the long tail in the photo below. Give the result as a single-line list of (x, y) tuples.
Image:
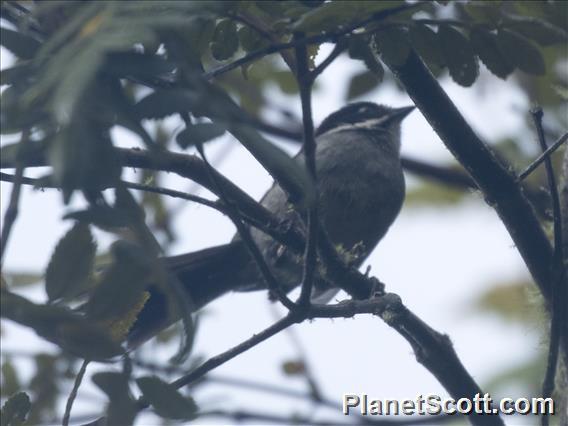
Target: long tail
[(204, 275)]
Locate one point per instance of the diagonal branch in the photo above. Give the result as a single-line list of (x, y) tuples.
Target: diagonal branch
[(310, 253), (272, 283), (497, 183), (304, 41), (547, 153), (222, 358), (73, 394), (559, 296)]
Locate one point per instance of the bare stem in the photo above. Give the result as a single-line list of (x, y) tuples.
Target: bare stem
[(220, 359), (12, 210), (558, 297), (73, 394), (547, 153), (310, 253), (271, 281)]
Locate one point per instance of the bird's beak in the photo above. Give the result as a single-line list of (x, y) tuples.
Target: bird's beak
[(400, 113), (396, 115)]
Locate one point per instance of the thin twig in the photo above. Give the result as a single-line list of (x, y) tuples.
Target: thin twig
[(222, 358), (290, 238), (337, 50), (454, 22), (73, 394), (557, 320), (253, 22), (499, 186), (547, 152), (272, 283), (12, 211), (189, 166), (305, 81), (316, 39)]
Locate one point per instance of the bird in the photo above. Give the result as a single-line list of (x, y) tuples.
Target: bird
[(361, 190)]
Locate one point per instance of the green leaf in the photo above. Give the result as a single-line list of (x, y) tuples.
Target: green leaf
[(484, 11), (88, 341), (199, 133), (21, 45), (83, 157), (123, 64), (288, 173), (250, 39), (285, 81), (61, 326), (359, 48), (225, 41), (10, 381), (166, 399), (532, 8), (126, 203), (214, 103), (43, 319), (393, 45), (15, 410), (121, 409), (122, 284), (163, 103), (327, 16), (71, 264), (362, 83), (485, 45), (521, 52), (114, 384), (78, 75), (339, 13), (539, 30), (14, 117), (198, 33), (458, 55), (425, 42), (104, 217)]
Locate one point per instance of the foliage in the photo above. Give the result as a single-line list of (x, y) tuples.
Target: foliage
[(85, 68)]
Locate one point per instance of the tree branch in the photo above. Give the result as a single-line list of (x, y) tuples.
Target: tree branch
[(12, 210), (498, 185), (547, 153), (337, 50), (73, 394), (456, 178), (222, 358), (271, 282), (559, 296), (305, 81), (316, 39), (265, 30)]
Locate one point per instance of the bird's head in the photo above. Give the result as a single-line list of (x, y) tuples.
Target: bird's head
[(365, 116)]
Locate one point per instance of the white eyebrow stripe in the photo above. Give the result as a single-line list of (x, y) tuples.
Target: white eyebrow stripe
[(367, 124)]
